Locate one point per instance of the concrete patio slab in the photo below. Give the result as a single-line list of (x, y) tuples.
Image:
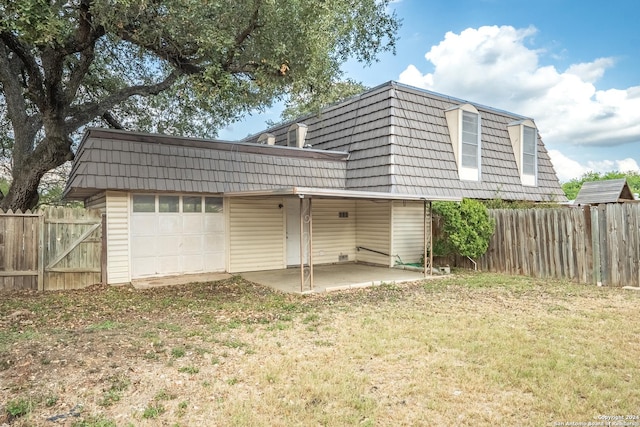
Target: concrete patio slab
[(154, 282), (335, 277)]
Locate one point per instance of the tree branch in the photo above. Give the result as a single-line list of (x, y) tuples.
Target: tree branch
[(24, 126), (243, 35), (36, 79), (111, 120), (84, 113)]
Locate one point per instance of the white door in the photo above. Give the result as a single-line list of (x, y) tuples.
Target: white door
[(292, 207), (293, 231), (176, 235)]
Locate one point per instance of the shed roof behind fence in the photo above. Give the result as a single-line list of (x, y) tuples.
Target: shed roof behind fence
[(607, 191)]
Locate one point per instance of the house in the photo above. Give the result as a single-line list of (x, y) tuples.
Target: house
[(606, 191), (353, 183)]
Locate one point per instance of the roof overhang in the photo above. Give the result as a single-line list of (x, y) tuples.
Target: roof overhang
[(338, 193)]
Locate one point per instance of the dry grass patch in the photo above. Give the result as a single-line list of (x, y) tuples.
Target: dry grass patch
[(475, 349)]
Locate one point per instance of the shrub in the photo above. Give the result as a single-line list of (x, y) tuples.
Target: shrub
[(467, 228)]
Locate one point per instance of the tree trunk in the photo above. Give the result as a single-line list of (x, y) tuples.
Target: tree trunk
[(50, 153)]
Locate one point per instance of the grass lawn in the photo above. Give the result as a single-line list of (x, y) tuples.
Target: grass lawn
[(473, 349)]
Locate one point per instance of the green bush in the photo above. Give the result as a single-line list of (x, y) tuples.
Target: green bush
[(467, 228)]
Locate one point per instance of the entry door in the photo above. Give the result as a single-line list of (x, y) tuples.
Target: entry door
[(292, 207)]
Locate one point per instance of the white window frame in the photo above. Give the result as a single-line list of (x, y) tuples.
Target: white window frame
[(455, 121), (517, 137)]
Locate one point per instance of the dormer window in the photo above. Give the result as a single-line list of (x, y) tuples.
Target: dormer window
[(464, 130), (267, 138), (296, 135), (524, 140)]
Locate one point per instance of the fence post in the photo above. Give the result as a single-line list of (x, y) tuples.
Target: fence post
[(595, 242), (41, 241)]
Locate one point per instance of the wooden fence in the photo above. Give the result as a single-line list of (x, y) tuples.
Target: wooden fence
[(56, 248), (599, 245)]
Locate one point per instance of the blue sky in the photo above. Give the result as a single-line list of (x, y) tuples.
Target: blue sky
[(573, 66)]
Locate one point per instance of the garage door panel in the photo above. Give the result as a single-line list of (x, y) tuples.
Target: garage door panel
[(144, 266), (169, 264), (213, 223), (168, 245), (214, 243), (169, 224), (144, 224), (192, 244), (194, 263), (192, 223), (144, 246)]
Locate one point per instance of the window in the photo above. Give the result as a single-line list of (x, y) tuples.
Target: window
[(168, 203), (524, 140), (464, 125), (144, 203), (469, 140), (296, 135), (529, 146), (213, 204), (191, 204)]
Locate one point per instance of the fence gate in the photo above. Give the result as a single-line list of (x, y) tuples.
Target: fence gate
[(71, 248)]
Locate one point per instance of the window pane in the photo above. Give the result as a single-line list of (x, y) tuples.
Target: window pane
[(192, 204), (168, 203), (528, 164), (529, 140), (144, 203), (292, 138), (469, 155), (529, 150), (213, 204)]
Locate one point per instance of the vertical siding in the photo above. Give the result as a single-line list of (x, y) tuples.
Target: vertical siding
[(333, 236), (256, 235), (408, 230), (373, 231), (117, 208)]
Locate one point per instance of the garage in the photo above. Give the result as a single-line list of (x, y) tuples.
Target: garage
[(176, 234)]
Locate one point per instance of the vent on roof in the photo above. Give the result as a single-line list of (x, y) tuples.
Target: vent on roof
[(267, 138), (296, 134)]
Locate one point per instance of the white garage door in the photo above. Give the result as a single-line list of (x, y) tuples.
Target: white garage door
[(176, 235)]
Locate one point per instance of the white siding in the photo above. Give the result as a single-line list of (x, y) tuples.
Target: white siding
[(373, 231), (408, 230), (117, 208), (333, 236), (256, 235)]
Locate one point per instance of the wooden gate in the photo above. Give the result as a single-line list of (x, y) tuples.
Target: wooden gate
[(72, 252), (53, 249)]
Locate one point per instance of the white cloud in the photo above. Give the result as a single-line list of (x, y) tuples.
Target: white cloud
[(495, 66), (568, 169)]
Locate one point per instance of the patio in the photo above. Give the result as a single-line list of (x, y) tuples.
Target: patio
[(334, 277)]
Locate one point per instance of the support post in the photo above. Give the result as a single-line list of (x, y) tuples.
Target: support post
[(431, 238), (310, 244), (103, 251), (424, 237), (301, 245)]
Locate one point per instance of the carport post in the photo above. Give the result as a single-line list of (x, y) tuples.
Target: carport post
[(301, 245), (424, 258), (424, 237)]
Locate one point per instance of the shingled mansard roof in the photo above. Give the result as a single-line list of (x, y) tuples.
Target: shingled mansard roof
[(119, 160), (606, 191), (391, 139)]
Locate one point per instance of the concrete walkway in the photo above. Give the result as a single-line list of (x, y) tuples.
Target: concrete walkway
[(328, 278)]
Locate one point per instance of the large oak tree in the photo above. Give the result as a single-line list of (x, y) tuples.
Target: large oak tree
[(173, 66)]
